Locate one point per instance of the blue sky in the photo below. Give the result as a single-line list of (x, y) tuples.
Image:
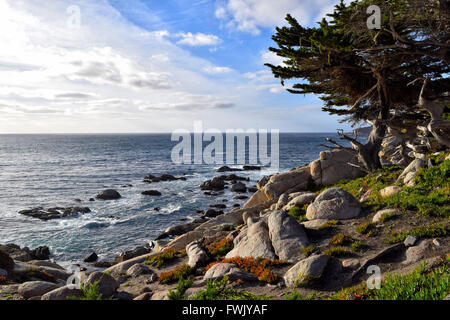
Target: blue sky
[(149, 66)]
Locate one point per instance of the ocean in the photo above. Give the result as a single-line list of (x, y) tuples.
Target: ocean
[(55, 170)]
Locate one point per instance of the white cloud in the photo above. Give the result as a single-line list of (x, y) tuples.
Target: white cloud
[(251, 15), (198, 39), (217, 70)]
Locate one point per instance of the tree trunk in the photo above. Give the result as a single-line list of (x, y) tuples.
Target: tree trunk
[(368, 154)]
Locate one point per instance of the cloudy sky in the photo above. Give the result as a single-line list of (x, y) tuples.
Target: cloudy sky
[(113, 66)]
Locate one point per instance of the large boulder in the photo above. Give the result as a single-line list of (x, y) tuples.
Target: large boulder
[(109, 194), (418, 252), (36, 288), (334, 203), (63, 293), (107, 285), (287, 235), (254, 243), (197, 255), (333, 166), (306, 270)]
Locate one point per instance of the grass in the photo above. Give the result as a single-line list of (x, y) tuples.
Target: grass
[(337, 251), (299, 213), (358, 246), (429, 231), (387, 216), (417, 285), (172, 276), (217, 290), (89, 293), (309, 250), (182, 286), (328, 225), (160, 259), (341, 239), (366, 229), (295, 295), (429, 197)]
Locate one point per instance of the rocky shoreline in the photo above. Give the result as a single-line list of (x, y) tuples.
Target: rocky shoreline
[(299, 230)]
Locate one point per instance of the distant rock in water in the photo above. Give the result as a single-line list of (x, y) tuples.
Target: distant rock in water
[(91, 258), (151, 193), (109, 194), (165, 177), (25, 254), (218, 183), (54, 213), (251, 168), (228, 169), (239, 187)]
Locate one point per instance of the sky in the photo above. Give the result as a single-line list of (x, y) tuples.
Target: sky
[(138, 66)]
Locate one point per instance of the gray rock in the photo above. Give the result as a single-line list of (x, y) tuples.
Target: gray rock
[(416, 253), (377, 217), (107, 284), (36, 288), (306, 271), (197, 255), (238, 187), (282, 201), (334, 203), (408, 175), (230, 270), (390, 191), (301, 200), (62, 294), (410, 241), (138, 270), (109, 194), (287, 235), (215, 184), (6, 262), (255, 242), (161, 295)]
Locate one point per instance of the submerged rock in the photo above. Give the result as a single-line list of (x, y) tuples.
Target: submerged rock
[(91, 258), (54, 213), (239, 187), (151, 193), (109, 194)]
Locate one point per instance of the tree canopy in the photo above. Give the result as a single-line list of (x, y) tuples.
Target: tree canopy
[(369, 75)]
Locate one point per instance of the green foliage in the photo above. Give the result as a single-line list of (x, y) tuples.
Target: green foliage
[(328, 225), (298, 213), (365, 228), (417, 285), (158, 260), (309, 250), (358, 245), (217, 290), (387, 216), (218, 249), (430, 231), (341, 239), (295, 295), (182, 286), (90, 292), (337, 251)]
